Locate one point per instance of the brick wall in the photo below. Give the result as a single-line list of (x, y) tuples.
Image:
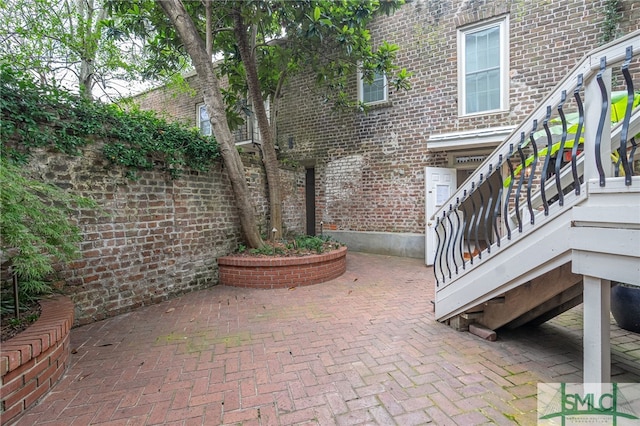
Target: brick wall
[(179, 104), (292, 192), (151, 238), (369, 167), (174, 103)]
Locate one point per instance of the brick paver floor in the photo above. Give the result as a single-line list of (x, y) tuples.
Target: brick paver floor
[(361, 349)]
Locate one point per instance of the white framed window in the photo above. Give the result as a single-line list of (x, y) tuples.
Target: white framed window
[(202, 119), (483, 67), (374, 92)]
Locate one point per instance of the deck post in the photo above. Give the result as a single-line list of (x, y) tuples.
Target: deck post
[(597, 330)]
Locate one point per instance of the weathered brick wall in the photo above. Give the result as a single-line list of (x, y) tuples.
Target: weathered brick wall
[(149, 239), (180, 105), (369, 167), (292, 185), (292, 192), (630, 11)]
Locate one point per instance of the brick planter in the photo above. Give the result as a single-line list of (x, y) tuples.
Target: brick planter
[(33, 361), (282, 272)]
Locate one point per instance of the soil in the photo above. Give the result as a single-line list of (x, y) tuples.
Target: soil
[(287, 250), (11, 327)]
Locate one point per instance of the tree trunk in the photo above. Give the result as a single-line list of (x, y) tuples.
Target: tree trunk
[(209, 30), (87, 53), (85, 79), (89, 34), (269, 156), (195, 47)]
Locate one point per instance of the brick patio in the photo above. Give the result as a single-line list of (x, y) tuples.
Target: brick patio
[(361, 349)]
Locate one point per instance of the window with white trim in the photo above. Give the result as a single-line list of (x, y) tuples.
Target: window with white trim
[(374, 92), (483, 61), (202, 118)]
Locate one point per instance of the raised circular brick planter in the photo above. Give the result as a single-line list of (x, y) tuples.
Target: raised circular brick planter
[(34, 360), (282, 272)]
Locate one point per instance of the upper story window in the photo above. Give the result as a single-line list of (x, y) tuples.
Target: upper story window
[(202, 118), (483, 61), (374, 92)]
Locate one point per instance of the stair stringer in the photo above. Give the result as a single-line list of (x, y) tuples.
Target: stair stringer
[(534, 298), (546, 248)]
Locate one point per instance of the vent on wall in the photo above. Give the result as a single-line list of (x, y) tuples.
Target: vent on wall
[(470, 159)]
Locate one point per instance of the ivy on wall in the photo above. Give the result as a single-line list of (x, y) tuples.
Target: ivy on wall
[(35, 225), (34, 116), (612, 18)]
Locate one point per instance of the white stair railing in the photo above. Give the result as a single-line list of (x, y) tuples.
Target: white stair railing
[(522, 185)]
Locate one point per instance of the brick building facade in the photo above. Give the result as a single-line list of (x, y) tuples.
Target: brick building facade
[(367, 170)]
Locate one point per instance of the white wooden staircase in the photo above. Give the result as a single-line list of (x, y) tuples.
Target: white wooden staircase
[(530, 235)]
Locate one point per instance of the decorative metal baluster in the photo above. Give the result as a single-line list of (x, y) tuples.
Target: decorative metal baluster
[(473, 220), (444, 238), (534, 166), (603, 118), (452, 240), (488, 231), (449, 253), (479, 217), (496, 210), (445, 246), (437, 256), (627, 116), (508, 197), (467, 226), (547, 159), (563, 139), (520, 182), (576, 142), (459, 233)]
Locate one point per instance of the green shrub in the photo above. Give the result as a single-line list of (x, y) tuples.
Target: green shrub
[(35, 230), (295, 246), (311, 243)]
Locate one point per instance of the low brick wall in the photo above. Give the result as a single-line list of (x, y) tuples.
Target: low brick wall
[(282, 272), (34, 360)]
